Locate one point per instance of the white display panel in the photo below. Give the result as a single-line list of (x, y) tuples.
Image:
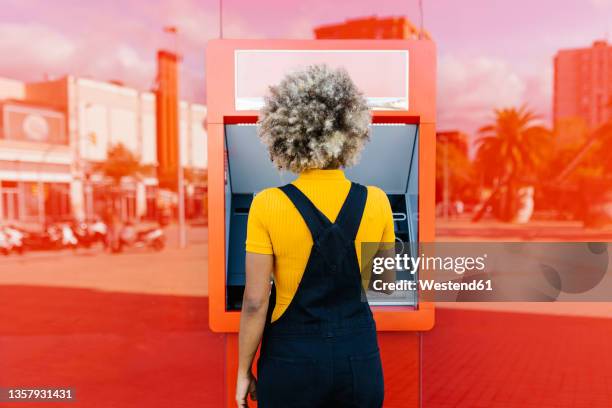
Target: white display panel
[(382, 75)]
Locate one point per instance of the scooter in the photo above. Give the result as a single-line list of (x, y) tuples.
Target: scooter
[(69, 239), (153, 238), (98, 230), (52, 237), (150, 238), (5, 247), (14, 238), (85, 236)]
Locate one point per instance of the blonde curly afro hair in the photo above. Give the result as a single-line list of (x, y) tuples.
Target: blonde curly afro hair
[(315, 118)]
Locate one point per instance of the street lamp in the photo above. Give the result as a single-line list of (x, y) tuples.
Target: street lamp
[(180, 176), (42, 216)]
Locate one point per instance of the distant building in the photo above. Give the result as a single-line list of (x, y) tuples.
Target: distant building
[(583, 84), (53, 133), (386, 28)]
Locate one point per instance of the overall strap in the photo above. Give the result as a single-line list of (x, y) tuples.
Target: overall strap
[(350, 215), (314, 219)]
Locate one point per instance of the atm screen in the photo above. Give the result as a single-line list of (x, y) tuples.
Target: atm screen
[(389, 161)]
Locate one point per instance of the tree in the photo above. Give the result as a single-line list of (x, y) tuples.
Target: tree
[(120, 163), (510, 151), (585, 170), (453, 162)]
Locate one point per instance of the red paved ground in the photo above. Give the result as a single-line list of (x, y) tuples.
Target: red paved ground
[(116, 350), (497, 359), (126, 350)]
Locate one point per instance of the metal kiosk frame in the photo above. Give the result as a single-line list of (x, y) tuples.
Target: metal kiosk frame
[(399, 326)]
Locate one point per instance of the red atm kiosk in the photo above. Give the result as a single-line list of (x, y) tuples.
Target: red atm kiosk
[(398, 78)]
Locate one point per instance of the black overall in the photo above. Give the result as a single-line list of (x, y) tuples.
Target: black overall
[(322, 351)]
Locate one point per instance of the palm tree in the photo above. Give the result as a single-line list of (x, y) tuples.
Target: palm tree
[(510, 151)]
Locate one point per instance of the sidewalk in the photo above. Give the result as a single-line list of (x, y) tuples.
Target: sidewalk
[(196, 234), (493, 230), (172, 271)]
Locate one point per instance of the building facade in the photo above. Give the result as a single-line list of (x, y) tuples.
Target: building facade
[(387, 28), (54, 134), (583, 85)]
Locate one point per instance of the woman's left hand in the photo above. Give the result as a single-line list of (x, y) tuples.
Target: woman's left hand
[(245, 385)]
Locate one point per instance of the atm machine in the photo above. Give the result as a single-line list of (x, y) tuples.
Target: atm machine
[(398, 80)]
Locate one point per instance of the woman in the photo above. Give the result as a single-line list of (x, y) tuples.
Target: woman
[(317, 334)]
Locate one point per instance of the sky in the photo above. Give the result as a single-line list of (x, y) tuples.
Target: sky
[(491, 53)]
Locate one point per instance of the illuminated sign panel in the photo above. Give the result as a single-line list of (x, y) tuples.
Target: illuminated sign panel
[(382, 75), (33, 124)]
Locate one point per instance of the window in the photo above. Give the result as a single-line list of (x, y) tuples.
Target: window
[(57, 202), (10, 201)]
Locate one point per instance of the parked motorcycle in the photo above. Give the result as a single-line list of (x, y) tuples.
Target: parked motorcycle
[(62, 236), (99, 230), (153, 238), (52, 237), (86, 235), (14, 238), (5, 247), (35, 240)]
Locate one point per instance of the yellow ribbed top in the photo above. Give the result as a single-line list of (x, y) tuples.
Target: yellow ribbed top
[(276, 227)]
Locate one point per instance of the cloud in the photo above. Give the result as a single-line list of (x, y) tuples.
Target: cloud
[(301, 28), (196, 25), (601, 4), (36, 50), (470, 89), (121, 62), (539, 91), (29, 50), (127, 54)]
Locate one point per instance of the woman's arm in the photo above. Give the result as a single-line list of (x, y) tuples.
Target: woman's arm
[(259, 268)]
